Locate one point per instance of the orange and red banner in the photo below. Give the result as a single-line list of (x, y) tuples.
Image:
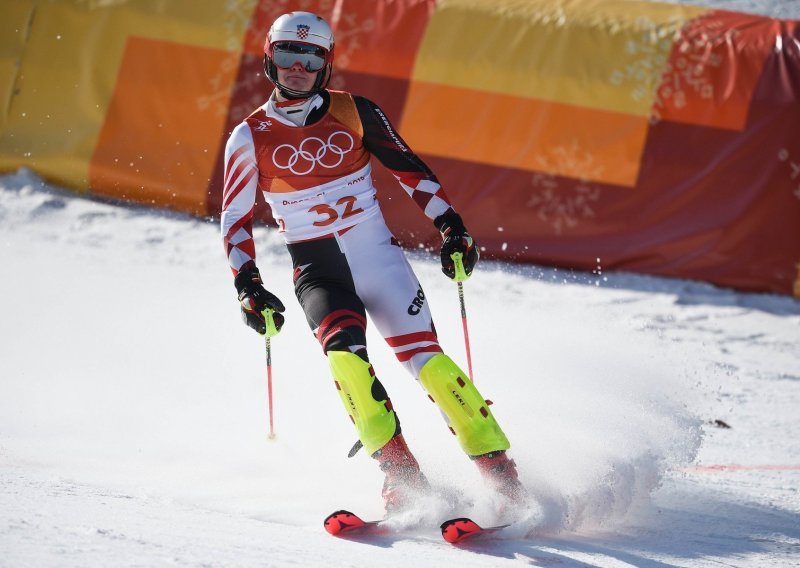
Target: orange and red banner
[(657, 138)]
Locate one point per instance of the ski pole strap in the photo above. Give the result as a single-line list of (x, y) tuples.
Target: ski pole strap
[(270, 321), (458, 262)]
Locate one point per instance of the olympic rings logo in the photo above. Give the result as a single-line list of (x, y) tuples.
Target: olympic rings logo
[(313, 151)]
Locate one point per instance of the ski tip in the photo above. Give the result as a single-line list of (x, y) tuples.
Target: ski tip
[(342, 521), (456, 530)]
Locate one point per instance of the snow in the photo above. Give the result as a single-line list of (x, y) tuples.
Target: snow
[(133, 411), (783, 9)]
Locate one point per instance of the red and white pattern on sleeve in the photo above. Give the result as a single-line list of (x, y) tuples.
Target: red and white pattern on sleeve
[(415, 177), (425, 192), (239, 197)]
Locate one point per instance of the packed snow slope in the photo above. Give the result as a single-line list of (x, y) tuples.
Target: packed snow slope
[(783, 9), (133, 410)]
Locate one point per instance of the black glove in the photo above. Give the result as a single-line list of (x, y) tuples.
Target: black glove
[(456, 239), (254, 299)]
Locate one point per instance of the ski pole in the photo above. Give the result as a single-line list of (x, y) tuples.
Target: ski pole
[(460, 277), (270, 331)]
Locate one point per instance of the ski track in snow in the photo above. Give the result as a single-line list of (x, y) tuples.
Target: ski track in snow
[(133, 411)]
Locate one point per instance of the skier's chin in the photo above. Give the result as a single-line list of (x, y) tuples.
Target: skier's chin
[(298, 83)]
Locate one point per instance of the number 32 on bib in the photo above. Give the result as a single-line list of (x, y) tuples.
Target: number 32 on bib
[(329, 215)]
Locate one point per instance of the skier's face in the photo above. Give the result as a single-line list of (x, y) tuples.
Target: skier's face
[(296, 77)]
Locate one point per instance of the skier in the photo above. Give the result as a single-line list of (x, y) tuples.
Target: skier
[(308, 149)]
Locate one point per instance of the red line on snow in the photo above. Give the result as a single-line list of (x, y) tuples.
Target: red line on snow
[(739, 467)]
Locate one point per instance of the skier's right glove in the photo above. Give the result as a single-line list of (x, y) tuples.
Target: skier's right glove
[(254, 299)]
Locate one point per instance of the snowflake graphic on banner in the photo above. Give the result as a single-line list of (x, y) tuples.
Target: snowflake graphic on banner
[(237, 19), (349, 31), (252, 90), (794, 170), (649, 54), (697, 53), (561, 202)]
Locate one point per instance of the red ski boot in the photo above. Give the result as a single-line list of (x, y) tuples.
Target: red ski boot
[(404, 481), (501, 474)]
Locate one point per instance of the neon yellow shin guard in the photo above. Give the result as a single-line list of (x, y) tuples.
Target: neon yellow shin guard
[(467, 413), (364, 398)]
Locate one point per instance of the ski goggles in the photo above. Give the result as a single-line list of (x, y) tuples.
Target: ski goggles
[(311, 57)]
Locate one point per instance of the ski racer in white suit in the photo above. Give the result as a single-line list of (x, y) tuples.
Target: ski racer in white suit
[(308, 150)]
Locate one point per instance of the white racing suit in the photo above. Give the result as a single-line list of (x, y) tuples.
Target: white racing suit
[(317, 180)]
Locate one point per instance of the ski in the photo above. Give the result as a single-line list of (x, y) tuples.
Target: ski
[(459, 530), (455, 531), (345, 523)]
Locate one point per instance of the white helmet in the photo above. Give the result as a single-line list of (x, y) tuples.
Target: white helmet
[(304, 37)]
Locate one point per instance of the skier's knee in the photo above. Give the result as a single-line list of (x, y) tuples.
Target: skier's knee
[(349, 339), (468, 414), (416, 363), (342, 330)]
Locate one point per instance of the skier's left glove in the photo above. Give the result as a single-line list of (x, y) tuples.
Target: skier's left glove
[(456, 239), (254, 299)]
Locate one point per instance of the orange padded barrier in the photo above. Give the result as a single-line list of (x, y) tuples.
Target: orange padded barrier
[(657, 138)]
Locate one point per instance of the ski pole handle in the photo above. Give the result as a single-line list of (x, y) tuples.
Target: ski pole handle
[(269, 319), (458, 262)]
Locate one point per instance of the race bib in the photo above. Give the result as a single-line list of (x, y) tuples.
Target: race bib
[(325, 209)]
